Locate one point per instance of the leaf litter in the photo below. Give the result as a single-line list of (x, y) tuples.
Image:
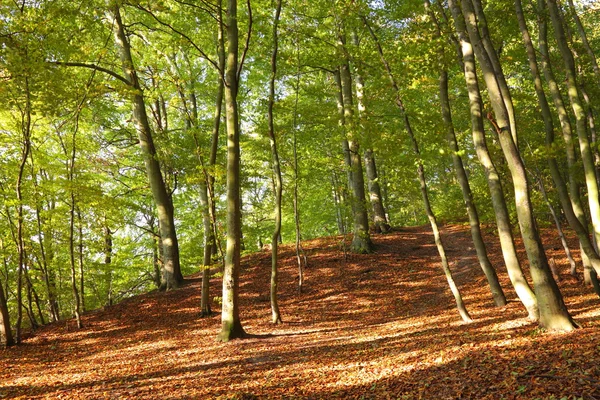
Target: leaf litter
[(377, 326)]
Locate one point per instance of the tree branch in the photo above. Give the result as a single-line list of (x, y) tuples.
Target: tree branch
[(247, 45), (183, 35), (94, 67)]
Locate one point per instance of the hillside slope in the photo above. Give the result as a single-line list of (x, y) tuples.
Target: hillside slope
[(366, 326)]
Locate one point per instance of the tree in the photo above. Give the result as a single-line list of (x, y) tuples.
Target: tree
[(231, 326), (166, 220), (553, 312)]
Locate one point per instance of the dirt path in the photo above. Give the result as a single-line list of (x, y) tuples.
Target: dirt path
[(366, 327)]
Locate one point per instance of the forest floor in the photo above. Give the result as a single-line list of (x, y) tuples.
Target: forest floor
[(372, 326)]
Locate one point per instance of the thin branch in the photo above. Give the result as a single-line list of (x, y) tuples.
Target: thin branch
[(183, 35), (247, 45), (94, 67)]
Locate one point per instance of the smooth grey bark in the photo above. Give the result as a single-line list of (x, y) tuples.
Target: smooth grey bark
[(460, 305), (80, 262), (552, 310), (509, 252), (461, 175), (378, 211), (70, 166), (565, 124), (108, 250), (231, 326), (20, 241), (585, 41), (278, 181), (497, 67), (580, 116), (170, 266), (361, 239), (379, 216), (6, 336), (301, 258), (207, 200)]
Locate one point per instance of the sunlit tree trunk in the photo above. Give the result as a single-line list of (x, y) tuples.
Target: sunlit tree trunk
[(26, 147), (278, 184), (584, 40), (379, 216), (231, 326), (552, 310), (505, 235), (549, 128), (497, 67), (171, 267), (378, 211), (461, 175), (460, 306), (108, 250), (565, 124), (361, 239), (6, 336)]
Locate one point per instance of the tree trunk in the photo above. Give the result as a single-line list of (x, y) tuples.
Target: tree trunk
[(379, 215), (461, 175), (480, 248), (553, 312), (462, 310), (584, 40), (301, 259), (379, 218), (108, 249), (80, 259), (497, 67), (565, 123), (361, 240), (231, 326), (509, 252), (580, 117), (275, 313), (26, 130), (6, 336), (171, 267)]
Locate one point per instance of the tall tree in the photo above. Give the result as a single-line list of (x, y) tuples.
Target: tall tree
[(275, 313), (361, 239), (553, 312), (507, 244), (231, 326), (460, 306), (166, 221), (461, 175)]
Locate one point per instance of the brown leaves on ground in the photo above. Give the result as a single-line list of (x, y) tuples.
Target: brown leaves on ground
[(367, 327)]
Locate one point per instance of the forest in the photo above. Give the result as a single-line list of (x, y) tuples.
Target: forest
[(186, 153)]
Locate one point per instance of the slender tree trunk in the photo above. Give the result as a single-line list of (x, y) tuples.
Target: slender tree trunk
[(553, 312), (505, 235), (275, 313), (462, 310), (26, 130), (80, 259), (361, 240), (301, 259), (480, 248), (580, 117), (497, 67), (108, 249), (584, 40), (6, 336), (379, 216), (231, 326), (171, 267)]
